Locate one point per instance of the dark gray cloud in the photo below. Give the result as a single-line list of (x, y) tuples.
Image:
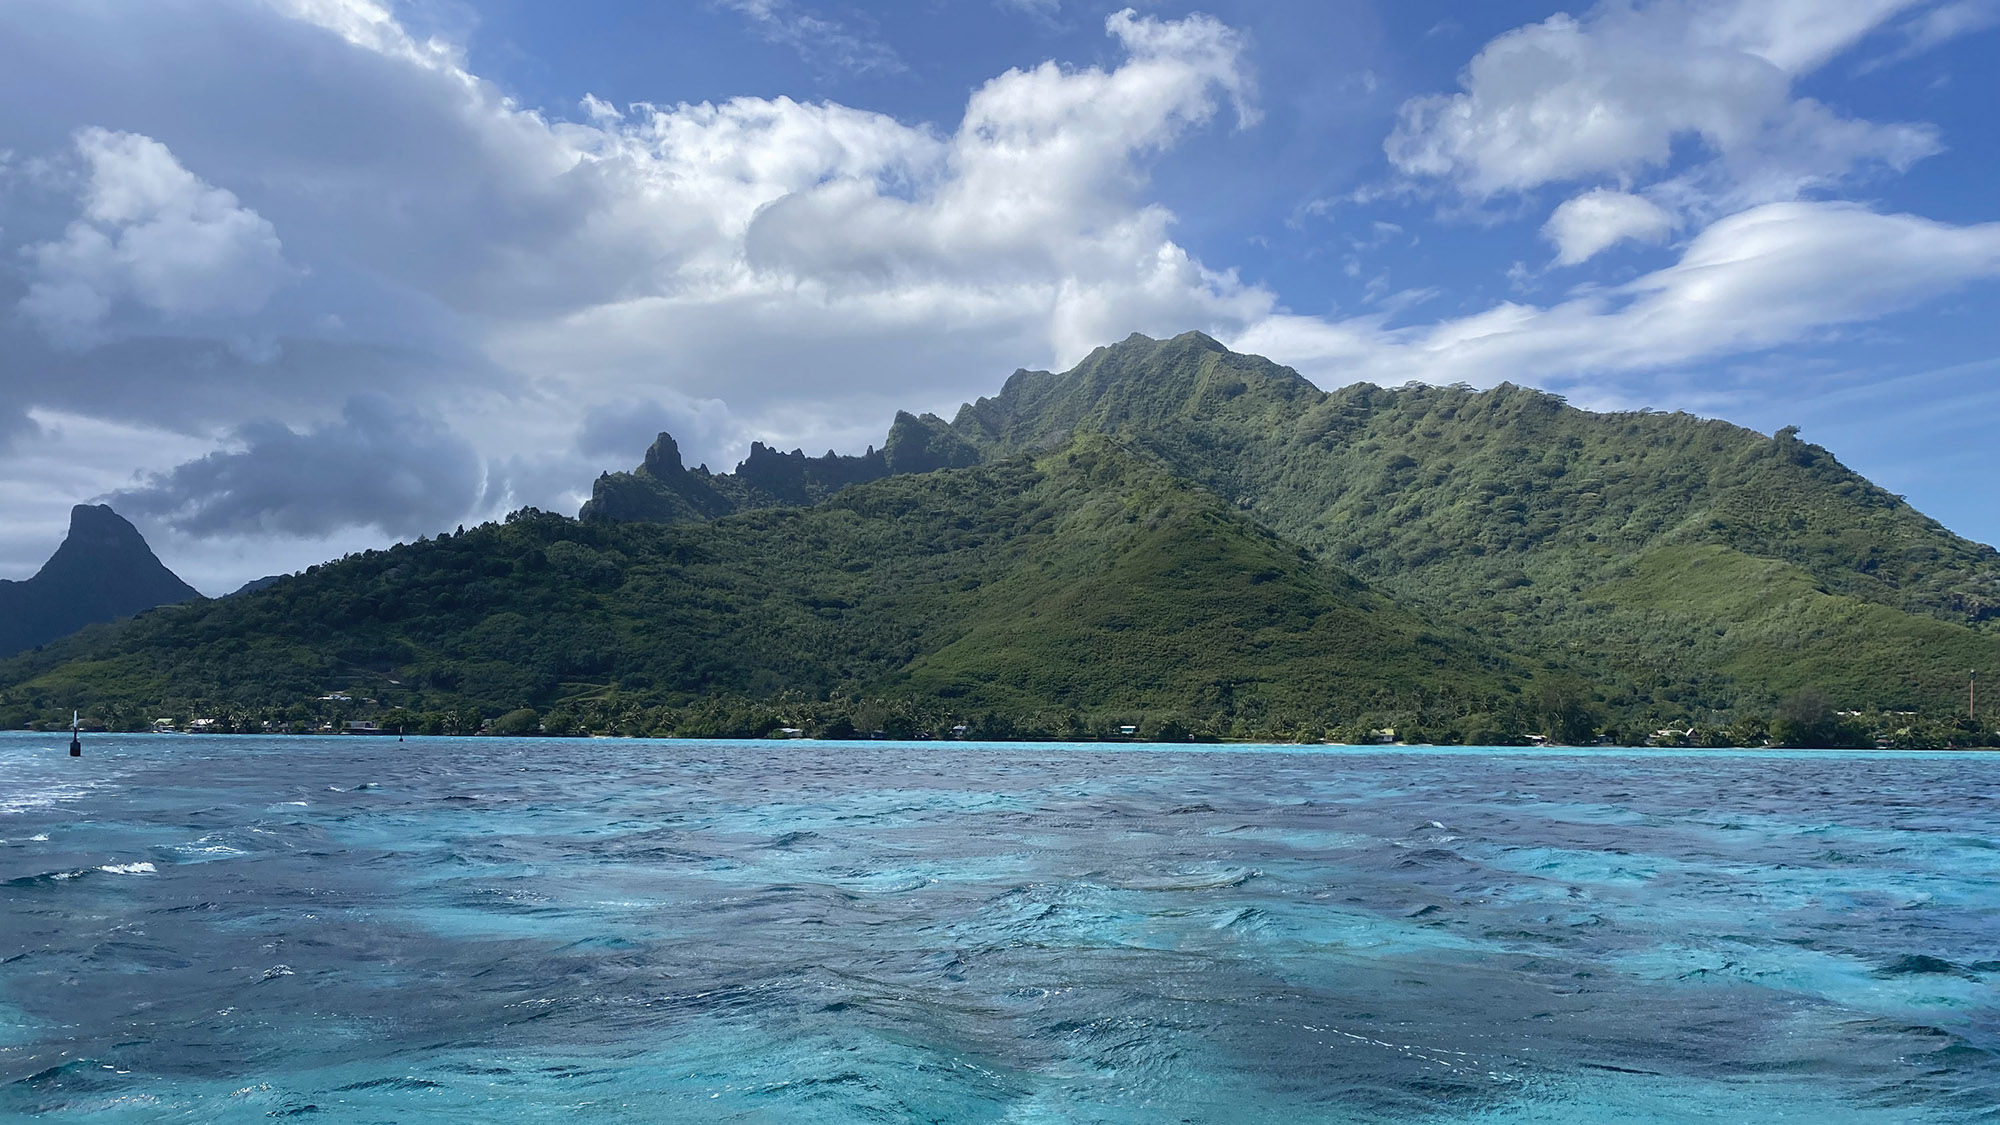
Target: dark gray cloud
[(192, 385), (379, 465)]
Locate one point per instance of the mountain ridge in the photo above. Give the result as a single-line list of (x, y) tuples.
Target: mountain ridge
[(663, 490), (1221, 439), (1487, 562), (1180, 398), (1507, 510), (885, 589)]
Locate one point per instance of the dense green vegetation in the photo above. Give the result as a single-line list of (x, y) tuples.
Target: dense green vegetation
[(1090, 587), (1171, 537), (1782, 631), (1513, 514)]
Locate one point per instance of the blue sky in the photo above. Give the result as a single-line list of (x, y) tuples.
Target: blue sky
[(288, 278)]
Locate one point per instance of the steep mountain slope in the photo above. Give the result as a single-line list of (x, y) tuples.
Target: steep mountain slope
[(1186, 385), (1390, 478), (1781, 628), (1513, 513), (1147, 592), (103, 570), (1089, 579), (1510, 513)]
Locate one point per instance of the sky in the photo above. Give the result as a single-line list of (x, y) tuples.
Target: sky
[(285, 279)]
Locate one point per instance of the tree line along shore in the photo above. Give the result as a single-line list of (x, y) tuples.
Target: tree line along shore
[(1805, 721)]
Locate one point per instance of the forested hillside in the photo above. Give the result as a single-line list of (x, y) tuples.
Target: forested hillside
[(1084, 586), (1527, 520), (1171, 536), (1447, 491)]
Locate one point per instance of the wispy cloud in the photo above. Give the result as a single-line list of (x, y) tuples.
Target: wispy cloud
[(1045, 12), (1936, 27), (818, 39), (1776, 275)]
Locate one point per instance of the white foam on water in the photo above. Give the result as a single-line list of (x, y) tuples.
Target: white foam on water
[(25, 800), (140, 868), (195, 851), (37, 780), (1190, 880)]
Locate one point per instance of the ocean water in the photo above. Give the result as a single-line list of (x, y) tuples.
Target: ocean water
[(232, 929)]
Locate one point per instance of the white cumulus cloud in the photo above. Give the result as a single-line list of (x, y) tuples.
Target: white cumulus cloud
[(800, 270), (1612, 93), (795, 248), (1599, 219), (155, 234)]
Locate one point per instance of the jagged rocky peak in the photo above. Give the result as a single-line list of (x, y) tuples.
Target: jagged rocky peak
[(794, 478), (662, 490), (925, 443), (663, 457), (659, 490)]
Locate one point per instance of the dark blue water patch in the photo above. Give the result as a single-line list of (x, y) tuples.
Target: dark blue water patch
[(228, 929)]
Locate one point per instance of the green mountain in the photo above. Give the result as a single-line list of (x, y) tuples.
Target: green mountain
[(1170, 532), (1089, 581), (1397, 481), (1532, 522), (103, 570), (1543, 527)]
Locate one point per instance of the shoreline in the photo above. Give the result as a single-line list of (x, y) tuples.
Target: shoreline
[(1108, 746)]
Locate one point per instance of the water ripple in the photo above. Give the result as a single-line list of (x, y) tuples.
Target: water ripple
[(235, 929)]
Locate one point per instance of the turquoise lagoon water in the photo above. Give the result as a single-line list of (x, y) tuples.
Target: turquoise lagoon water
[(230, 929)]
